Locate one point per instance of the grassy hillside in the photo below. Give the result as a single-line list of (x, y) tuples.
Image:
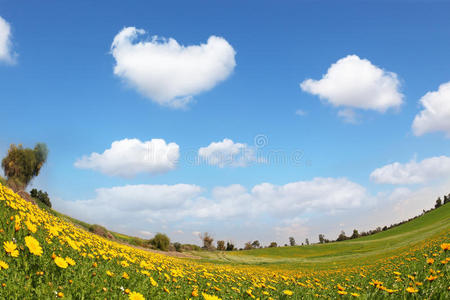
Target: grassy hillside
[(44, 256), (360, 250)]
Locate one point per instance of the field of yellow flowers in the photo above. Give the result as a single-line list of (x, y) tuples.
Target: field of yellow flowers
[(44, 257)]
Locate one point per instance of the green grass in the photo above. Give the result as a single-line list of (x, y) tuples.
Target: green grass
[(360, 250)]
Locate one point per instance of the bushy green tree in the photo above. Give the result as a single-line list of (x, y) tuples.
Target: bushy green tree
[(230, 246), (41, 196), (438, 203), (291, 241), (160, 241), (22, 164)]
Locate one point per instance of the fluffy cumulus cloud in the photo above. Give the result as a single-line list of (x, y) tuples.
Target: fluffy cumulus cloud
[(353, 82), (6, 53), (227, 153), (169, 73), (413, 172), (129, 157), (435, 115), (187, 206)]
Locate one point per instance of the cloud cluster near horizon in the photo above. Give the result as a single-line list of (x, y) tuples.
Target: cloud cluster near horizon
[(7, 55), (168, 73), (148, 205)]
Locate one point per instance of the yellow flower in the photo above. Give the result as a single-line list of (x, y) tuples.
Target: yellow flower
[(33, 245), (70, 261), (430, 261), (288, 292), (411, 290), (136, 296), (210, 297), (60, 295), (60, 262), (194, 293), (31, 227), (431, 278), (125, 275), (445, 246), (153, 282), (355, 294), (109, 273), (11, 248), (3, 265), (342, 292)]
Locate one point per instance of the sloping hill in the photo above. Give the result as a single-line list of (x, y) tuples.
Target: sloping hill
[(360, 250)]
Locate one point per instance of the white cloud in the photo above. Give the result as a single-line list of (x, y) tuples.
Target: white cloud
[(128, 157), (348, 115), (300, 112), (436, 113), (6, 53), (413, 172), (169, 73), (356, 83), (155, 208), (227, 153)]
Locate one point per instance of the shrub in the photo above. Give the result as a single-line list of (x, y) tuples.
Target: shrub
[(160, 241), (273, 245), (101, 231)]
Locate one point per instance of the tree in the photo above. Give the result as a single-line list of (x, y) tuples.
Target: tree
[(230, 246), (22, 164), (291, 241), (342, 236), (160, 241), (446, 199), (248, 246), (438, 203), (355, 234), (273, 245), (306, 241), (321, 238), (221, 245), (41, 196), (207, 240), (177, 247), (256, 244)]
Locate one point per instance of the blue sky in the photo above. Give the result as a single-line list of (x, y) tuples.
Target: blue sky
[(61, 89)]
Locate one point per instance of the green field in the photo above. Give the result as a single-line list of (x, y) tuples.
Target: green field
[(360, 250)]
